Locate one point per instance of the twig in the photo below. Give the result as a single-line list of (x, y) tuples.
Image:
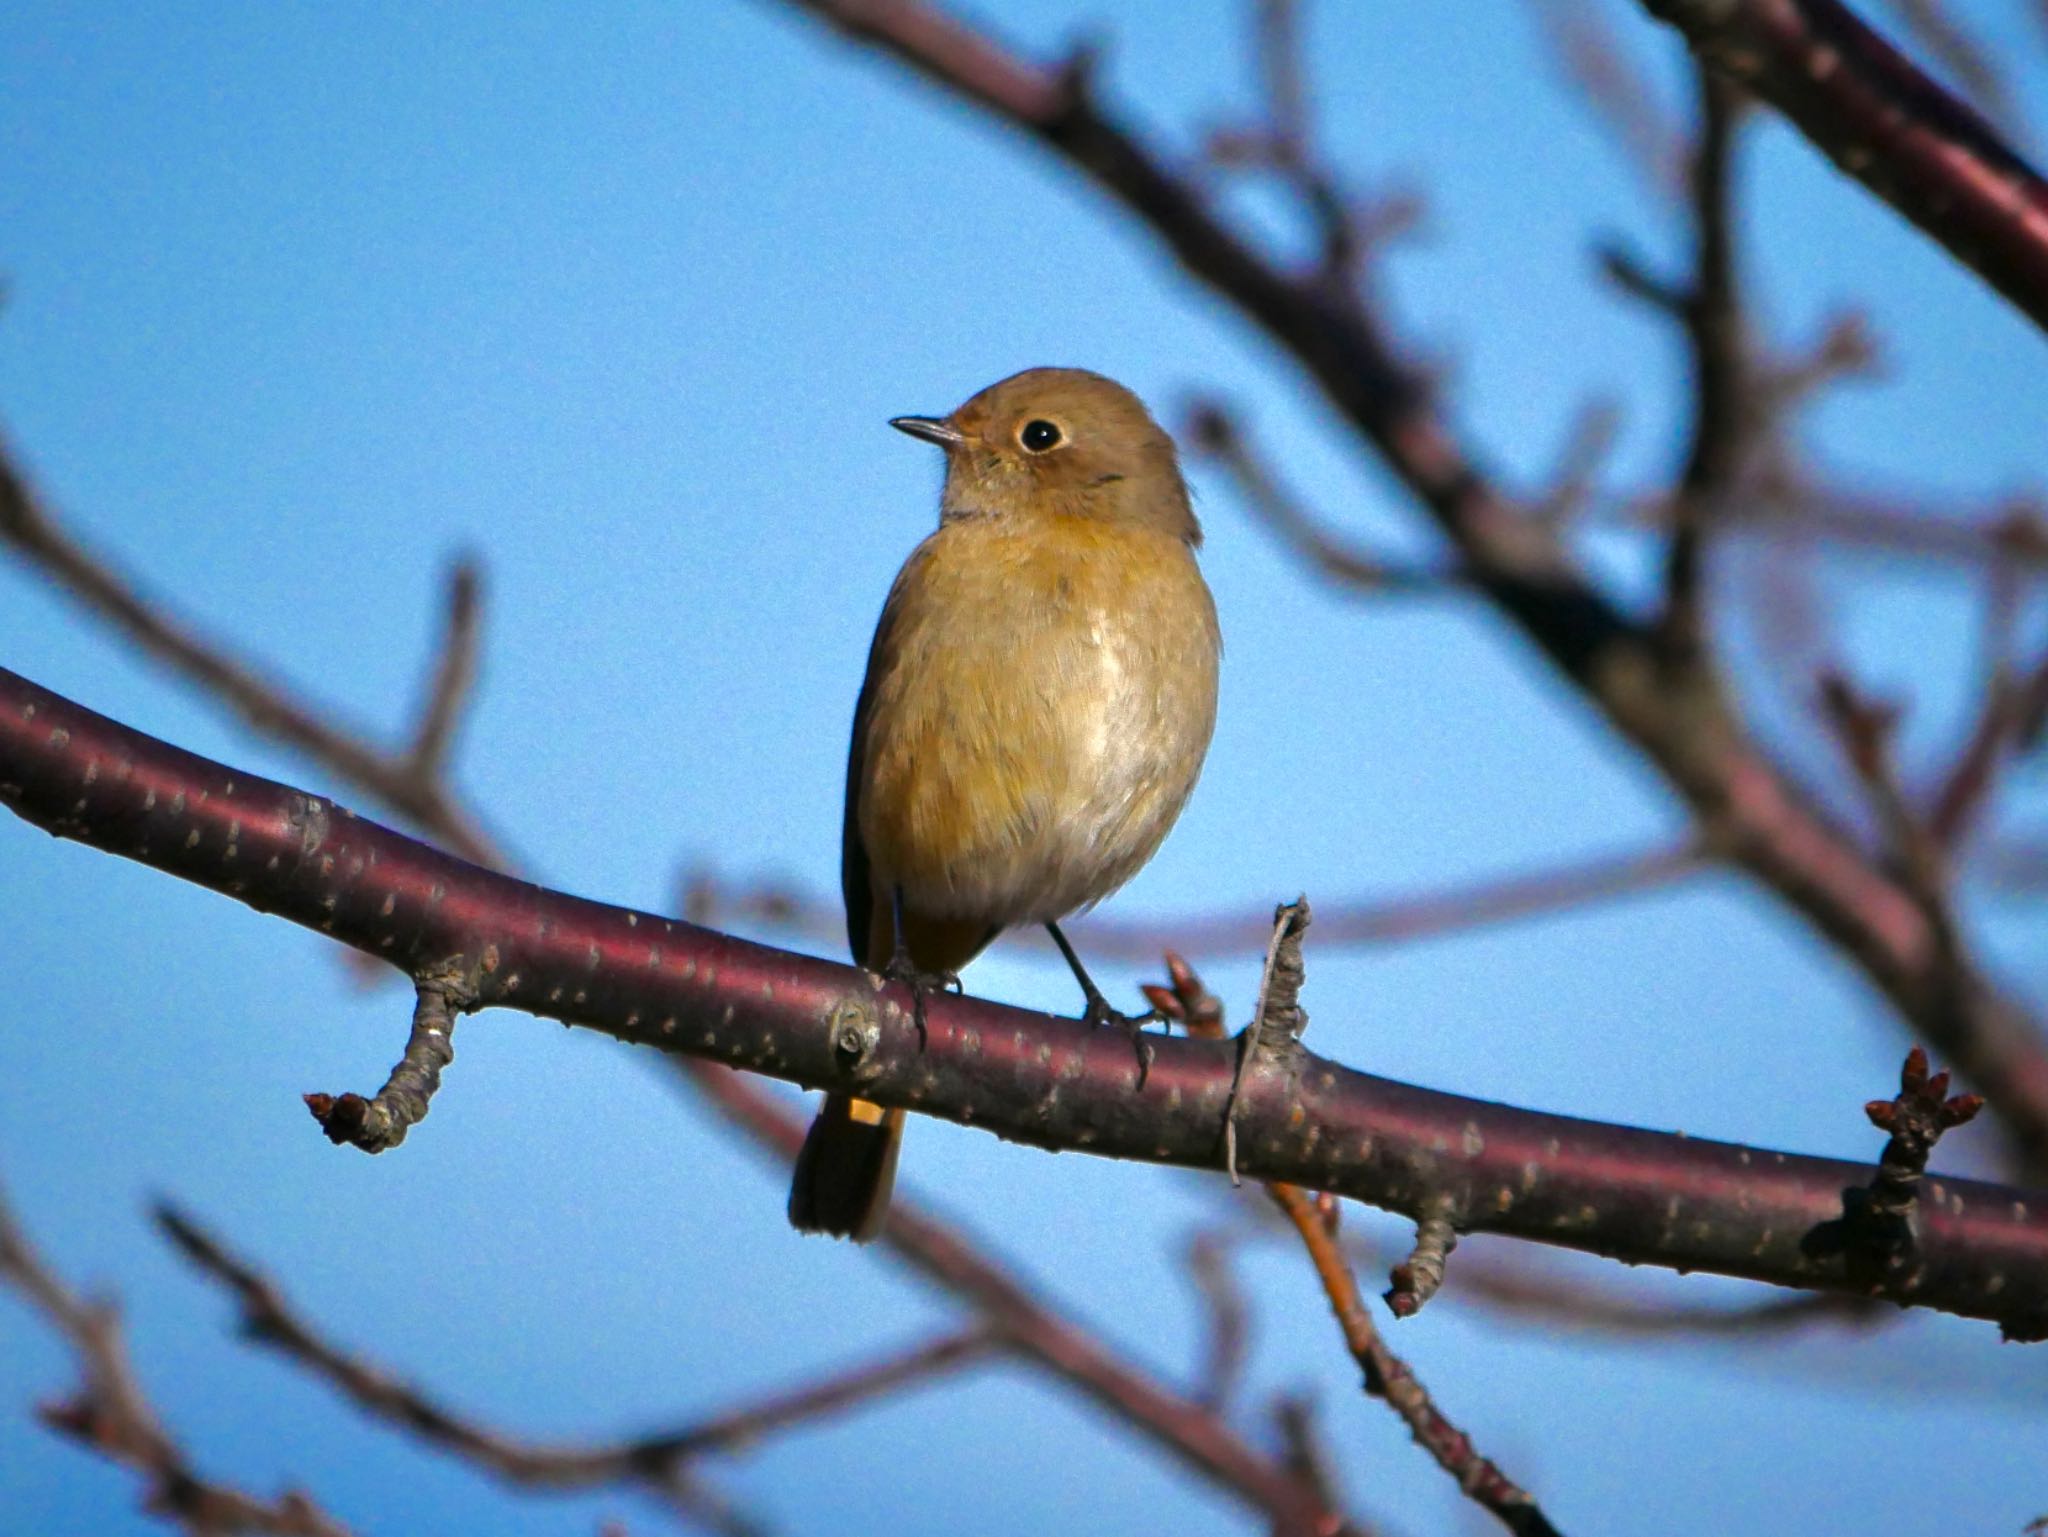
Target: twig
[(1387, 1376), (1914, 1120), (378, 1124), (1934, 25), (1592, 436), (1295, 1417), (1876, 1233), (1416, 1279), (1576, 883), (1601, 78), (2011, 714), (1212, 430), (1864, 729), (658, 1464), (406, 781), (454, 675), (1227, 1322), (1723, 424), (111, 1413), (2009, 534), (1277, 1018)]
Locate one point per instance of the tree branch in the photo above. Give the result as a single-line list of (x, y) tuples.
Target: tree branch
[(1884, 122), (1658, 1199)]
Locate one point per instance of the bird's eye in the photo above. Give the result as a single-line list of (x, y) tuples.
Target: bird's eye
[(1039, 435)]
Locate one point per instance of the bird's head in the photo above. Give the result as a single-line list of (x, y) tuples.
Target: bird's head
[(1059, 442)]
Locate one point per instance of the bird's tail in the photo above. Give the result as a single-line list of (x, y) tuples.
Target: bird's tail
[(846, 1169)]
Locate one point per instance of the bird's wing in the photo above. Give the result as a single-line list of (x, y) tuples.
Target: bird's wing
[(856, 879)]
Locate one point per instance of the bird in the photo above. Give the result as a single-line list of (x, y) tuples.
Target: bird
[(1039, 698)]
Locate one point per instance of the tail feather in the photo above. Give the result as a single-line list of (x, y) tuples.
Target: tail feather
[(846, 1169)]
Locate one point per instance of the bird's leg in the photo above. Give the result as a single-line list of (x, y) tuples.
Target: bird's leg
[(902, 968), (1099, 1011)]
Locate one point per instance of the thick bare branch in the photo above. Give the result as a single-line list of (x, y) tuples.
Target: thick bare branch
[(1682, 1202)]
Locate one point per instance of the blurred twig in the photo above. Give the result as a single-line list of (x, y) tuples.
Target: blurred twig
[(1212, 430), (1886, 123), (1592, 60), (111, 1413), (1395, 920), (410, 781), (659, 1464)]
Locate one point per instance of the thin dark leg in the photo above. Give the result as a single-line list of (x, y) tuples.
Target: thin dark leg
[(1099, 1011), (901, 968)]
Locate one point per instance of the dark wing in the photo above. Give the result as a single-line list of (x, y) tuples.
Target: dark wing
[(856, 883)]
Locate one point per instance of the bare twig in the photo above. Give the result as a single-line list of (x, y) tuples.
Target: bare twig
[(1387, 1376), (111, 1413), (1294, 1415), (407, 781), (1934, 25), (2009, 533), (1416, 1279), (1591, 60), (376, 1125), (454, 674), (1227, 1321), (1212, 430), (2012, 710), (1723, 423), (1877, 1233), (657, 1464)]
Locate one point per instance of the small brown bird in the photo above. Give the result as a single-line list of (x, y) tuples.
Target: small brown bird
[(1039, 697)]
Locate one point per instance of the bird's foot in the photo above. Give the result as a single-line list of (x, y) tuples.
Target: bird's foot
[(1100, 1013), (922, 985)]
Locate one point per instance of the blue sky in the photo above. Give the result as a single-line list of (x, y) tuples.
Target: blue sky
[(301, 305)]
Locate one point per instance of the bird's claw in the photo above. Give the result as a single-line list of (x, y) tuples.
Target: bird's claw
[(922, 985), (1100, 1013)]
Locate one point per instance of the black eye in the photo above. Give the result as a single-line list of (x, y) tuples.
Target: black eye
[(1039, 435)]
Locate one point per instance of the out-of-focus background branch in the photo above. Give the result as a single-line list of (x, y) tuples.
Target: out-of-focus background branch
[(293, 315)]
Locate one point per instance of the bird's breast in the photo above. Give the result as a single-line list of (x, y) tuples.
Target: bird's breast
[(1038, 720)]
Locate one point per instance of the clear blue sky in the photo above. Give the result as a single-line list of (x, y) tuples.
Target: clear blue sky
[(299, 304)]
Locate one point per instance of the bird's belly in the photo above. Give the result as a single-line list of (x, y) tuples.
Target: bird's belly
[(1035, 782)]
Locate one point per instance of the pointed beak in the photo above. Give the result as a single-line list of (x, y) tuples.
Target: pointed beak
[(933, 429)]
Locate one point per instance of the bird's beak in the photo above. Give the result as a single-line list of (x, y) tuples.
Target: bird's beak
[(933, 429)]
